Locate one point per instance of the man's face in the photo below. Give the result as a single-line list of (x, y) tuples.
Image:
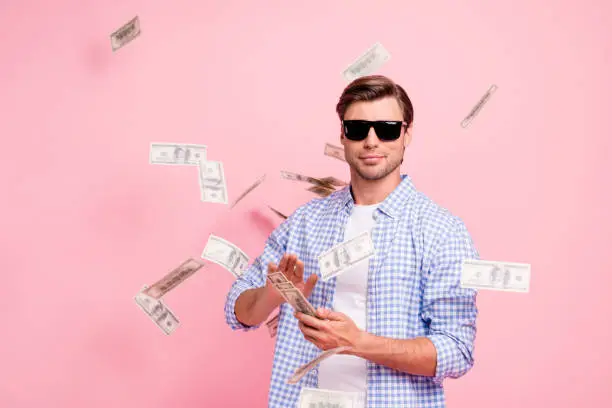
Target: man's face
[(371, 158)]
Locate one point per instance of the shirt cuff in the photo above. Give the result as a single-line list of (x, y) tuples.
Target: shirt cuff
[(450, 360)]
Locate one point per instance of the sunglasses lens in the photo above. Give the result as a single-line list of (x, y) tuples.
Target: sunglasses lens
[(388, 130), (356, 130)]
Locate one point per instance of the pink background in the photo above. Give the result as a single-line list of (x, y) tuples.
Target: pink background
[(86, 221)]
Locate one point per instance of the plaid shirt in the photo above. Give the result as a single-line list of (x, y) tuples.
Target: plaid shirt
[(413, 291)]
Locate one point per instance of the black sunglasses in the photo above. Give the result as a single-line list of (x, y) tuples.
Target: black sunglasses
[(386, 130)]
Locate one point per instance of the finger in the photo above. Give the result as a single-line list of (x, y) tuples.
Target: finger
[(272, 267), (290, 267), (309, 285), (316, 335), (310, 321), (282, 265), (299, 269), (336, 316)]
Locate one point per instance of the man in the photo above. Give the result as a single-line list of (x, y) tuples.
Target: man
[(403, 313)]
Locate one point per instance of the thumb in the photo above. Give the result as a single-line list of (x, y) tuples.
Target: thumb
[(309, 285)]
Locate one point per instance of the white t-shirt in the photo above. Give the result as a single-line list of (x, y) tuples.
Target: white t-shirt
[(345, 372)]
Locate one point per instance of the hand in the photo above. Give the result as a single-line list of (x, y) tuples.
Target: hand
[(293, 269), (334, 330)]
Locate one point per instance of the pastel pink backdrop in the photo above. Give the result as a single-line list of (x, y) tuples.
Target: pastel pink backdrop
[(86, 221)]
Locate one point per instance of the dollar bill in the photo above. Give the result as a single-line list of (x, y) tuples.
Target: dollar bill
[(369, 62), (478, 107), (304, 369), (332, 181), (493, 275), (321, 398), (334, 151), (176, 154), (213, 187), (291, 294), (174, 278), (341, 257), (125, 33), (321, 191), (327, 182), (280, 214), (226, 254), (273, 325), (248, 190), (157, 311)]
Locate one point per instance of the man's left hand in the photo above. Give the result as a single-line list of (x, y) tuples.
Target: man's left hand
[(333, 329)]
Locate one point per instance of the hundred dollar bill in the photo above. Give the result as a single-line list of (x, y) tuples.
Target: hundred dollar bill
[(273, 325), (327, 182), (157, 311), (485, 98), (125, 34), (291, 294), (334, 151), (321, 191), (322, 398), (176, 154), (174, 278), (332, 181), (280, 214), (304, 369), (248, 190), (226, 254), (493, 275), (339, 258), (367, 63), (213, 187)]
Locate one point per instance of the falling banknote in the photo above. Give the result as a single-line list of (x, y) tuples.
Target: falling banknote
[(213, 187), (273, 325), (280, 214), (176, 154), (157, 311), (303, 370), (321, 191), (321, 398), (125, 33), (226, 254), (341, 257), (485, 98), (174, 278), (367, 63), (336, 152), (501, 276), (248, 190)]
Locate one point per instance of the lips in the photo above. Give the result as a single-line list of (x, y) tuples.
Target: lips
[(371, 158)]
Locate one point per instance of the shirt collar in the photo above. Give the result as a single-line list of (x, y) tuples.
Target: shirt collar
[(392, 205)]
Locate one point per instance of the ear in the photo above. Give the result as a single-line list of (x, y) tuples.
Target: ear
[(408, 136)]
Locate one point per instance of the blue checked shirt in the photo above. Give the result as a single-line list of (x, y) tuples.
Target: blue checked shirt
[(413, 291)]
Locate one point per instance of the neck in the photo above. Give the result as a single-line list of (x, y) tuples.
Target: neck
[(368, 192)]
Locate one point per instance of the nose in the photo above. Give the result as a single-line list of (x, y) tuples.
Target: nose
[(372, 139)]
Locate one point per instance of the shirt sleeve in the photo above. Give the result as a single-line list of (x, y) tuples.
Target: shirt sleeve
[(450, 310), (255, 275)]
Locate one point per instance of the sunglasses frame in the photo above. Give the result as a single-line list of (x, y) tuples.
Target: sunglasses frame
[(375, 124)]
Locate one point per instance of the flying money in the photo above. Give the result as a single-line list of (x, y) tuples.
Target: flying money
[(501, 276), (333, 181), (157, 311), (485, 98), (322, 398), (304, 369), (341, 257), (174, 278), (226, 254), (280, 214), (369, 62), (248, 190), (321, 191), (125, 34), (291, 294), (213, 187), (327, 182), (273, 325), (176, 154), (334, 151)]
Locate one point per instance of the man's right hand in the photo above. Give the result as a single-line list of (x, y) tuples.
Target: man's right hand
[(293, 269)]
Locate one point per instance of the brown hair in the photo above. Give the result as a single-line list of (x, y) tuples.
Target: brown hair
[(372, 87)]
